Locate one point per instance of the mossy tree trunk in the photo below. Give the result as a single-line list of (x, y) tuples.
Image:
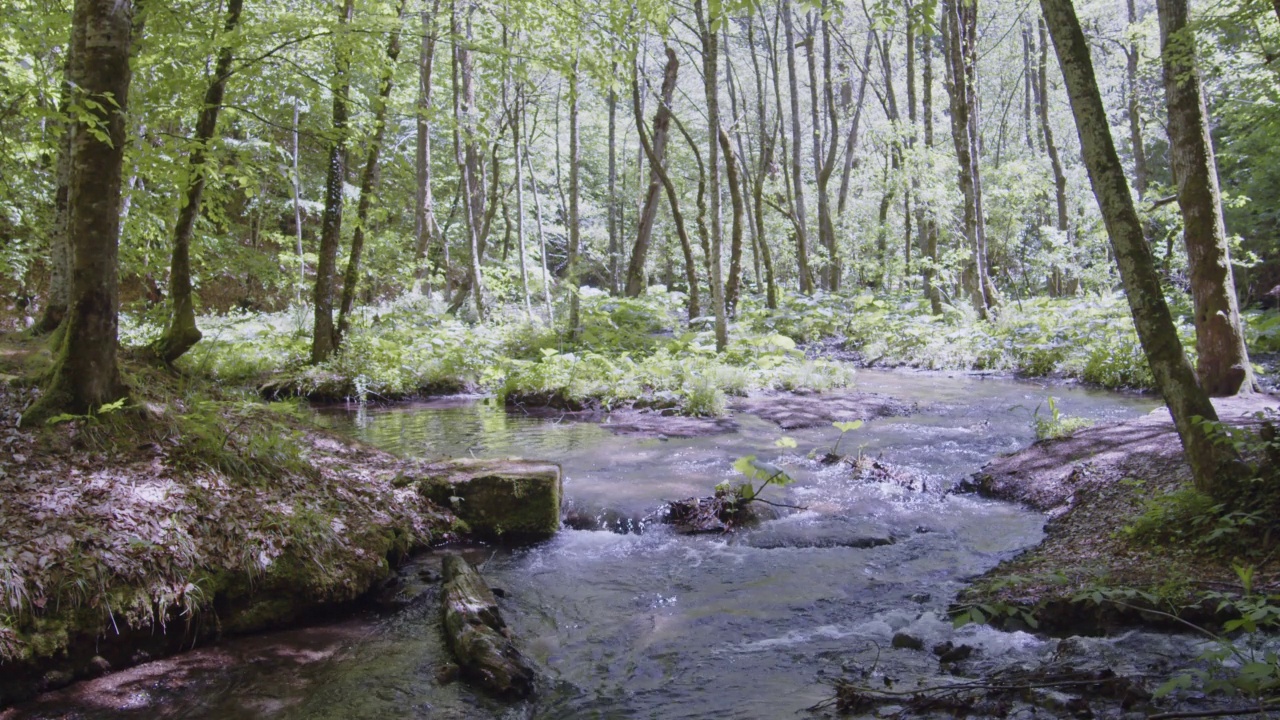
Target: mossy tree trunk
[(649, 211), (369, 176), (1214, 466), (324, 339), (182, 333), (1222, 360), (85, 375)]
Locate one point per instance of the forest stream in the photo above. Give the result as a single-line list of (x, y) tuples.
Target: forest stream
[(630, 620)]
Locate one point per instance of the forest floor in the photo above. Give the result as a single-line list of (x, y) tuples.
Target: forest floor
[(185, 515), (1092, 571)]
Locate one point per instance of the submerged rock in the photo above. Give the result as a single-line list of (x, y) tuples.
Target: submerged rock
[(792, 411), (498, 499), (478, 636)]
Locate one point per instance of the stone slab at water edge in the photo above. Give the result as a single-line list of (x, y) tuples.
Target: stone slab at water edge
[(507, 499)]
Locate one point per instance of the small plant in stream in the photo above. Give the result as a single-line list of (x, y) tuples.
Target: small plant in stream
[(1055, 424), (755, 471)]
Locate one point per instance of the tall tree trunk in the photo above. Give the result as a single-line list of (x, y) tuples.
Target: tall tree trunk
[(425, 229), (60, 251), (542, 240), (960, 21), (851, 143), (611, 206), (649, 211), (1135, 107), (85, 375), (469, 158), (1213, 465), (826, 224), (1222, 359), (1028, 84), (575, 191), (516, 112), (369, 176), (182, 332), (655, 163), (929, 222), (767, 137), (1051, 147), (734, 178), (708, 25), (801, 224), (324, 339)]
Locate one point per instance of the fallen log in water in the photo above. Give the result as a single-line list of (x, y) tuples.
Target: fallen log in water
[(477, 635)]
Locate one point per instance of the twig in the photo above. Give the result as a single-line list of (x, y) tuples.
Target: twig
[(1213, 713)]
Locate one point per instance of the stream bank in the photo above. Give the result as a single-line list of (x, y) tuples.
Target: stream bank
[(1088, 575)]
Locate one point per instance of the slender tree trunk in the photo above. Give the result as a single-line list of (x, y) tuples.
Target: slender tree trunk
[(960, 20), (324, 339), (826, 224), (516, 112), (851, 143), (297, 209), (802, 233), (1214, 466), (542, 241), (469, 158), (655, 163), (369, 177), (85, 375), (60, 251), (1222, 359), (649, 211), (734, 178), (1028, 84), (425, 229), (767, 137), (929, 222), (1051, 147), (182, 332), (1135, 107), (611, 206), (708, 25), (575, 191)]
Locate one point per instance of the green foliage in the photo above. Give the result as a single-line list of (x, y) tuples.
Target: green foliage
[(1055, 424), (759, 475)]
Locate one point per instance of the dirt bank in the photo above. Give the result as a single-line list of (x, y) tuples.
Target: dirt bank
[(1093, 484), (184, 516)]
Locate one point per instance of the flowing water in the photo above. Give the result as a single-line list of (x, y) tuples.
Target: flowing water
[(630, 620)]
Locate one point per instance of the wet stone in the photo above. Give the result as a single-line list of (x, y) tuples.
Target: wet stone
[(903, 641)]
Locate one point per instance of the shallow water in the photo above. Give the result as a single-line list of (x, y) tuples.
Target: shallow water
[(633, 621)]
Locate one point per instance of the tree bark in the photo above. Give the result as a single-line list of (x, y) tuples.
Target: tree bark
[(691, 269), (425, 229), (961, 22), (801, 224), (1214, 466), (85, 375), (575, 192), (611, 206), (1135, 108), (767, 138), (324, 339), (1222, 359), (707, 27), (469, 157), (929, 222), (734, 178), (60, 251), (649, 210), (182, 332), (826, 224), (369, 176)]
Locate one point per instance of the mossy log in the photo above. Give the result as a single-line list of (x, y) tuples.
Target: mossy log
[(477, 635)]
